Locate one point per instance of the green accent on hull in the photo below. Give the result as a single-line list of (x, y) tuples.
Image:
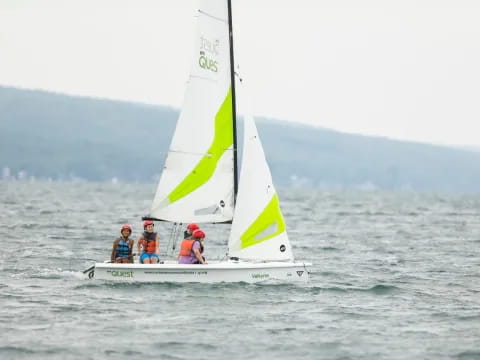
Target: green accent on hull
[(269, 216), (223, 139)]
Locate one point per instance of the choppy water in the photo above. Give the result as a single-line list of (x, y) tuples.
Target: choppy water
[(395, 276)]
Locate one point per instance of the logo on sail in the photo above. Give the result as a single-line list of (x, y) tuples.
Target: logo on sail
[(300, 273), (208, 53)]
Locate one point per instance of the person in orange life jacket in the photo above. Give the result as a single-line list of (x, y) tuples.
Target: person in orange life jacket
[(191, 249), (122, 247), (187, 234), (148, 244)]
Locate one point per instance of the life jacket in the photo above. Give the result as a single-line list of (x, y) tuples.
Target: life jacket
[(123, 248), (149, 243), (187, 245)]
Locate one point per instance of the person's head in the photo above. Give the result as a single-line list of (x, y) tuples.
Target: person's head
[(198, 234), (126, 230), (191, 228), (148, 225)]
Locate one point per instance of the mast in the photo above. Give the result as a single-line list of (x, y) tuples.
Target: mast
[(234, 115)]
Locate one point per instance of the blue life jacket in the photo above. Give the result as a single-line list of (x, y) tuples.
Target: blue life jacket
[(123, 248)]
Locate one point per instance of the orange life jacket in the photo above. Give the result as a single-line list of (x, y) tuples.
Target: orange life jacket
[(149, 242), (149, 246), (186, 247)]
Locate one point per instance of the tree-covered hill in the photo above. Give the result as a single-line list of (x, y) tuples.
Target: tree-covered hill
[(56, 136)]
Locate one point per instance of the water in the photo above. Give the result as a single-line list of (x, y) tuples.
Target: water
[(395, 276)]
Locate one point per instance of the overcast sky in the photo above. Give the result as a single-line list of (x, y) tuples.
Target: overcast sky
[(406, 69)]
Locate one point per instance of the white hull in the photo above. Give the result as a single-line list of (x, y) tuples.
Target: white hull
[(215, 272)]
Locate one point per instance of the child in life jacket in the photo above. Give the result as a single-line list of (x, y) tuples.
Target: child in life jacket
[(191, 249), (122, 247), (148, 244)]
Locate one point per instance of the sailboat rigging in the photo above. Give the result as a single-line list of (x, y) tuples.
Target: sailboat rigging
[(199, 182)]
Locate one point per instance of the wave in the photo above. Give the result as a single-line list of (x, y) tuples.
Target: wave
[(317, 289), (137, 354), (379, 289), (21, 350), (469, 355), (282, 330), (329, 248), (48, 274), (382, 289), (475, 317), (18, 350), (101, 284)]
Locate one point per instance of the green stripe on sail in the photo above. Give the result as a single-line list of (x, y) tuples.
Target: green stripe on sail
[(270, 216), (223, 139)]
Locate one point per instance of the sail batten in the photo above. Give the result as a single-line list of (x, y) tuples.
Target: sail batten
[(212, 16)]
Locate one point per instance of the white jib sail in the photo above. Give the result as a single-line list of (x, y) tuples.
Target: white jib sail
[(258, 230), (197, 181)]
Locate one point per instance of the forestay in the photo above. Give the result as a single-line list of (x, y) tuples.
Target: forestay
[(258, 230), (197, 183)]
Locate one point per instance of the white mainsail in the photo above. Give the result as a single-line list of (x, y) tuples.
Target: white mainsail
[(197, 182), (258, 230)]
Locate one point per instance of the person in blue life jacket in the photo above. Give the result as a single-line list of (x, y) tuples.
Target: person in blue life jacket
[(149, 244), (123, 246)]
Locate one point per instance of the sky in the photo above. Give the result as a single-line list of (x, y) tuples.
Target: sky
[(403, 69)]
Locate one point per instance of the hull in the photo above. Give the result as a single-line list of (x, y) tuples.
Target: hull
[(226, 271)]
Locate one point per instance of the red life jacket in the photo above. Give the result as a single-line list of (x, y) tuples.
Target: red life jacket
[(186, 247)]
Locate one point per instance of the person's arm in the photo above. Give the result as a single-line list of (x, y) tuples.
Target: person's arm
[(157, 245), (196, 251), (198, 256), (114, 248), (139, 245)]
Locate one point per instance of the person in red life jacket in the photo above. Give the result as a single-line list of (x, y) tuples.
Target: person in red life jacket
[(187, 234), (122, 247), (191, 249), (148, 244)]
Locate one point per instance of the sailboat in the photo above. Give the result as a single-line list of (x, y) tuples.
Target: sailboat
[(199, 182)]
